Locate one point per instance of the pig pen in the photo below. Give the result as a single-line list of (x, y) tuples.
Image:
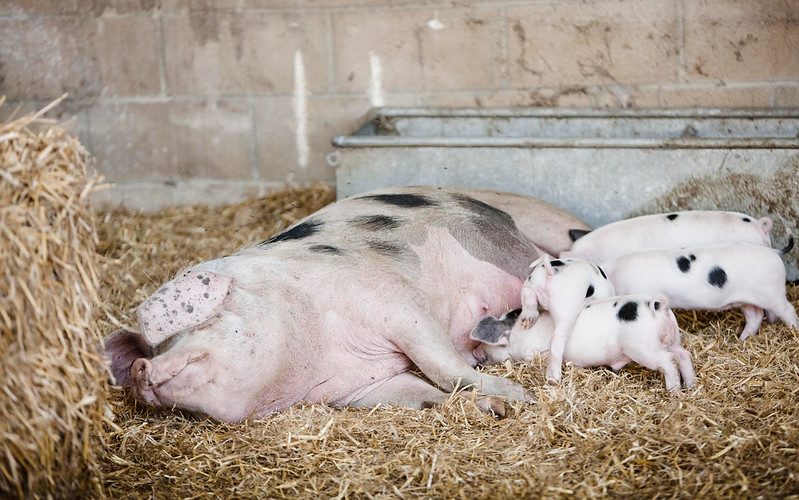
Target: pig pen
[(599, 433)]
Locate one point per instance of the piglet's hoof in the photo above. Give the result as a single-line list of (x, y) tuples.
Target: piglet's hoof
[(492, 405), (552, 382), (527, 322)]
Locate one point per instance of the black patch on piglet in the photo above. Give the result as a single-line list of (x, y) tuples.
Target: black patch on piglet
[(491, 330), (746, 219), (602, 272), (657, 305), (556, 263), (376, 222), (402, 200), (385, 248), (628, 312), (576, 234), (672, 216), (330, 249), (717, 277), (512, 316), (684, 263), (692, 257), (298, 232), (590, 291)]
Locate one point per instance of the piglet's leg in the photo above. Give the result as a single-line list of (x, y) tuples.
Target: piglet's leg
[(754, 317), (529, 306), (686, 366), (410, 391), (426, 343), (556, 348), (787, 314)]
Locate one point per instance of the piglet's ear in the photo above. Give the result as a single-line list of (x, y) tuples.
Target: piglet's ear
[(659, 303), (184, 302), (766, 224), (491, 331)]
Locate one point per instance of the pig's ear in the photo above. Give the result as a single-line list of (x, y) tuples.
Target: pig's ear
[(184, 302), (659, 303), (765, 224), (576, 234), (122, 348), (491, 331), (548, 266)]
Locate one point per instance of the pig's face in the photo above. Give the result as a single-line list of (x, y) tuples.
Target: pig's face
[(658, 314)]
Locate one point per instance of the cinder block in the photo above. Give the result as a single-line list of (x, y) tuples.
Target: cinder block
[(173, 140), (600, 42), (241, 52), (36, 7), (742, 39), (277, 150), (787, 97), (43, 57), (151, 196), (197, 5), (418, 49), (72, 117)]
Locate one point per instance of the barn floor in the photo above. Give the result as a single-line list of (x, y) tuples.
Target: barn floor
[(736, 433)]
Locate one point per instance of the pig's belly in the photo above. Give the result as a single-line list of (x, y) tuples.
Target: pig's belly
[(462, 289)]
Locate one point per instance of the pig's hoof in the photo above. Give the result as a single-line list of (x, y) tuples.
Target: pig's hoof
[(492, 405), (553, 382), (530, 396)]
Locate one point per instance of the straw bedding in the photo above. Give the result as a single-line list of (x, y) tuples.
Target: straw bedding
[(736, 433), (52, 377), (598, 433)]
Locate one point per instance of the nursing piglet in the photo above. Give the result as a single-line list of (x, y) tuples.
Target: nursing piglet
[(561, 286), (677, 229), (713, 277), (609, 332)]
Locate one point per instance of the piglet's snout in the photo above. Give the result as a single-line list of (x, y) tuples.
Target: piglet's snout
[(141, 373)]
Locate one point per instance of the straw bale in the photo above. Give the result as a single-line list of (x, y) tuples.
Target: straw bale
[(599, 433), (52, 380)]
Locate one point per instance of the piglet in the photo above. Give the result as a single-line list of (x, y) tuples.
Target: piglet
[(712, 277), (677, 229), (608, 332), (561, 286)]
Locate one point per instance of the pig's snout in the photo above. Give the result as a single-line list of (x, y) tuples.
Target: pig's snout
[(141, 373), (480, 355)]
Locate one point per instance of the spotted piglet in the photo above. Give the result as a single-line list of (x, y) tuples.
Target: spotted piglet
[(712, 277), (677, 229), (561, 286), (608, 332)]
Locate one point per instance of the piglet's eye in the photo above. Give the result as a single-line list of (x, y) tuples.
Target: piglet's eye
[(657, 305)]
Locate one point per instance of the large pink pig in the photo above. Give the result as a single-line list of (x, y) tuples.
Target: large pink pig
[(341, 305)]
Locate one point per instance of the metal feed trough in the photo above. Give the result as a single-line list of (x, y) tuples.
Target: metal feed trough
[(602, 165)]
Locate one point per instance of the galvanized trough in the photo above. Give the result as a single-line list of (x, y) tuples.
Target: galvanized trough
[(600, 164)]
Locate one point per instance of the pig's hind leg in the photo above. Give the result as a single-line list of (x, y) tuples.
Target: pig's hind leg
[(428, 346), (754, 317), (410, 391), (655, 357)]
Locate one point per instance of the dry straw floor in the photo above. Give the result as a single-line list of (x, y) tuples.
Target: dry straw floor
[(735, 434)]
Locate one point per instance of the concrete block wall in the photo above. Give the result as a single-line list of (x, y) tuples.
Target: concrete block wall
[(202, 101)]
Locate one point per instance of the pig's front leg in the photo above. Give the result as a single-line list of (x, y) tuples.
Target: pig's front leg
[(529, 312), (754, 317), (410, 391), (427, 345), (556, 348)]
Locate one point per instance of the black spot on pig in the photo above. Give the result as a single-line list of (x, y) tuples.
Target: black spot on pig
[(512, 316), (556, 263), (602, 272), (628, 312), (189, 308), (376, 222), (692, 257), (656, 305), (402, 200), (684, 263), (330, 249), (590, 291), (746, 219), (576, 234), (717, 277), (206, 281), (205, 295), (385, 248), (484, 211), (298, 232), (672, 216), (200, 277), (425, 405)]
